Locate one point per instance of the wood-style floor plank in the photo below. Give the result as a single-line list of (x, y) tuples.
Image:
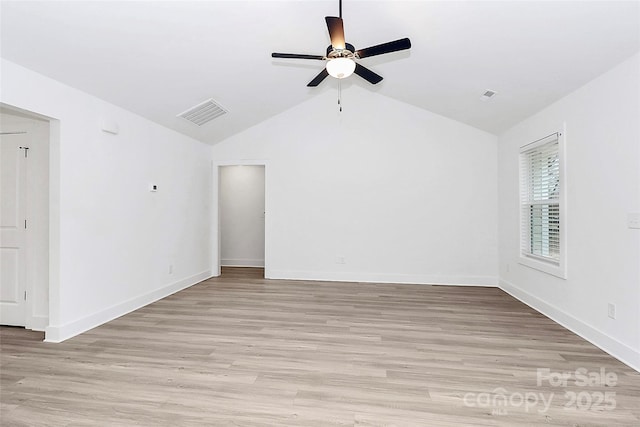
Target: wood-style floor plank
[(242, 350)]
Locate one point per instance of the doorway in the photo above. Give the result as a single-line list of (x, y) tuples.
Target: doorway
[(241, 210), (24, 219)]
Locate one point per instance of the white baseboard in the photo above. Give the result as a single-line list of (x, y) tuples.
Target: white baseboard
[(242, 262), (419, 279), (60, 333), (615, 348)]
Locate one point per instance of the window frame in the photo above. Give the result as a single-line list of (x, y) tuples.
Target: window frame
[(559, 268)]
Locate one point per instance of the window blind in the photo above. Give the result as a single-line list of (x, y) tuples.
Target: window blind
[(540, 200)]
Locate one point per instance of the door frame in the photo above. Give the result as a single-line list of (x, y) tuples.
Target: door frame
[(216, 166)]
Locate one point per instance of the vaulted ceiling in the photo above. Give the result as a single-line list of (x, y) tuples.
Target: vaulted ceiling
[(159, 58)]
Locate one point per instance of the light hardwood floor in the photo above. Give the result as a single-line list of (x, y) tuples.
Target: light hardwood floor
[(244, 351)]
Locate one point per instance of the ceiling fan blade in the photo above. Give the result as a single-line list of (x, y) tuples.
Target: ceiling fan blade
[(319, 78), (336, 31), (380, 49), (295, 56), (367, 74)]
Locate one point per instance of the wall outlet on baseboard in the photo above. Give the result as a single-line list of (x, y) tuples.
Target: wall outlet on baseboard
[(611, 310)]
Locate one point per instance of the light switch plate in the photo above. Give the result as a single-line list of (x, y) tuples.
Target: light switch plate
[(611, 310)]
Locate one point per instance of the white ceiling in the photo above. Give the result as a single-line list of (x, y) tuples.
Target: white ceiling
[(158, 59)]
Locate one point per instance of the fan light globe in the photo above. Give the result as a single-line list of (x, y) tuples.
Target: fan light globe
[(341, 67)]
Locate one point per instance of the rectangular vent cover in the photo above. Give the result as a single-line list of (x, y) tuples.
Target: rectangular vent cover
[(489, 93), (203, 112)]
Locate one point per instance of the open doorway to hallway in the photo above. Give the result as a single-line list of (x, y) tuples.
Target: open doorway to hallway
[(242, 217)]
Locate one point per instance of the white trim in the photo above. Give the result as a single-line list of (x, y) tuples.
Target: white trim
[(543, 266), (54, 221), (615, 348), (240, 162), (540, 142), (216, 262), (418, 279), (242, 262), (60, 333)]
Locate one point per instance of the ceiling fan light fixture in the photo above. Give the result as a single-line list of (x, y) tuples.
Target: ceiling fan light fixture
[(341, 68)]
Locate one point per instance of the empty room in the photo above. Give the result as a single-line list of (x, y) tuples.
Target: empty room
[(317, 213)]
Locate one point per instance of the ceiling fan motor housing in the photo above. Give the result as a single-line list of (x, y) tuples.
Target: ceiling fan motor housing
[(347, 52)]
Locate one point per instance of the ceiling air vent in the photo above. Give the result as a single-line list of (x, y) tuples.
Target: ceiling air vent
[(487, 94), (203, 112)]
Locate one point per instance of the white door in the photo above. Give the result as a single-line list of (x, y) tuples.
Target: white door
[(12, 229)]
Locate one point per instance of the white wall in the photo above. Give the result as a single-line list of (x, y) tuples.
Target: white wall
[(403, 195), (603, 186), (242, 216), (37, 212), (112, 240)]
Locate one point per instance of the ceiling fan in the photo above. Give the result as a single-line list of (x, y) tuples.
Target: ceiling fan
[(341, 55)]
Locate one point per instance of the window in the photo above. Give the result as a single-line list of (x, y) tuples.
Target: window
[(541, 216)]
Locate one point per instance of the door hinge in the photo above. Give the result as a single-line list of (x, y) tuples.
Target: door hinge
[(26, 151), (25, 295), (25, 224)]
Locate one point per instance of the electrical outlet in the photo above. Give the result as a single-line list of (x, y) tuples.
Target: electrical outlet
[(611, 310), (633, 220), (340, 260), (170, 268)]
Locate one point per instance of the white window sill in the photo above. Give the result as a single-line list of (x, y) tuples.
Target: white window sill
[(544, 266)]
